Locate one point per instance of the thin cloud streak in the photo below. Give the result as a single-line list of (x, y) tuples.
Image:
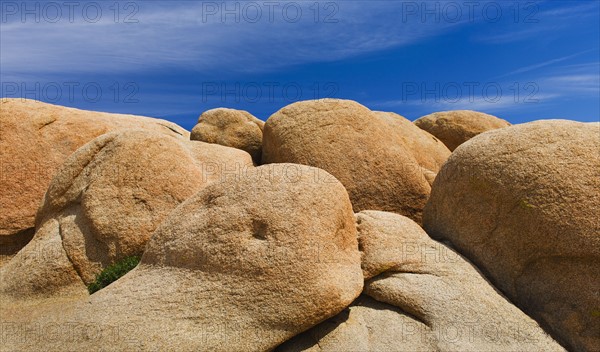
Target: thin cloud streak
[(560, 83), (545, 63), (536, 24), (504, 103)]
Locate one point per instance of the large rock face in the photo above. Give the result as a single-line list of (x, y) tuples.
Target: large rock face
[(104, 203), (522, 203), (35, 139), (232, 128), (243, 265), (384, 162), (427, 298), (458, 126)]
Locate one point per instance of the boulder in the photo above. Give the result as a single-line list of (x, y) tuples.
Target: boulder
[(243, 265), (35, 139), (458, 126), (232, 128), (384, 162), (420, 295), (105, 202), (522, 203)]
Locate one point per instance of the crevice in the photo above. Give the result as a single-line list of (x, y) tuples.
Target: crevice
[(259, 230), (171, 128), (410, 272), (46, 124), (13, 243), (62, 244)]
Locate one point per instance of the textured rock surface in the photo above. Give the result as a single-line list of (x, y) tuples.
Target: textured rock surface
[(232, 128), (104, 203), (430, 299), (242, 265), (522, 203), (35, 139), (458, 126), (384, 163), (429, 151)]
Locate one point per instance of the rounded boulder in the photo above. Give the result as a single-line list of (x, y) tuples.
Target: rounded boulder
[(522, 203)]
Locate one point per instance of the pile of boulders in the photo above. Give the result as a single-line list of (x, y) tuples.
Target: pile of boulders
[(330, 227)]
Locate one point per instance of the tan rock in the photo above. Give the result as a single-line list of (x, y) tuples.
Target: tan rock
[(384, 163), (430, 299), (243, 265), (104, 203), (522, 203), (35, 139), (232, 128), (458, 126)]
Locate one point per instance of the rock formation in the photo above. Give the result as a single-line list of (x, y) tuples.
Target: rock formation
[(104, 203), (320, 249)]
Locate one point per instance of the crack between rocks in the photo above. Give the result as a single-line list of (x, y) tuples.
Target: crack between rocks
[(421, 320), (62, 244)]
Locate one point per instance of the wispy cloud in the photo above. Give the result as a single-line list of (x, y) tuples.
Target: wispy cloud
[(574, 80), (187, 35)]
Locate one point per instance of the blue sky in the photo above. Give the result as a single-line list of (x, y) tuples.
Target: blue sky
[(521, 61)]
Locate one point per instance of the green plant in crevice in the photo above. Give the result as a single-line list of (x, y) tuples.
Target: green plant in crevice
[(113, 272)]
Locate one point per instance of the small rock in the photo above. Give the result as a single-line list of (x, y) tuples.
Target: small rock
[(458, 126), (232, 128)]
